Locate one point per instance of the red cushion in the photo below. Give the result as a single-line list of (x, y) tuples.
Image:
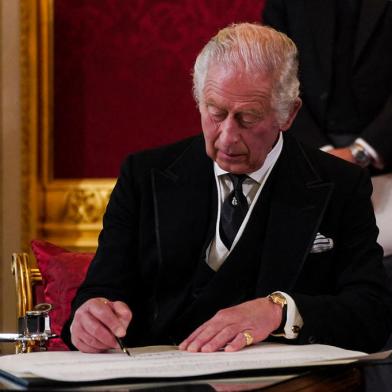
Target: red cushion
[(62, 273)]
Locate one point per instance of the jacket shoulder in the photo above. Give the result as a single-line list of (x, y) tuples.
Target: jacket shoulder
[(161, 157), (344, 175)]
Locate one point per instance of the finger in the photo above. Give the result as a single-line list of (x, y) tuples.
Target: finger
[(101, 310), (201, 339), (191, 342), (238, 343), (78, 335), (92, 332), (207, 331), (184, 344), (220, 340), (85, 348), (123, 312)]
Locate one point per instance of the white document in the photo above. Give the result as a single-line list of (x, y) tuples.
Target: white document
[(168, 361)]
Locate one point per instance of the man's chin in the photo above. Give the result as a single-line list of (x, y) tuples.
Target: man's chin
[(235, 168)]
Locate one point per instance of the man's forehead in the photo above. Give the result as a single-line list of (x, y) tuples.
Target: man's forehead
[(233, 85), (219, 73)]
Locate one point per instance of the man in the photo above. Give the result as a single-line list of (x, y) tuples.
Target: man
[(345, 51), (193, 252)]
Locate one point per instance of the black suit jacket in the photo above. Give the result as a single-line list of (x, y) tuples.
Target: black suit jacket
[(158, 224), (310, 23)]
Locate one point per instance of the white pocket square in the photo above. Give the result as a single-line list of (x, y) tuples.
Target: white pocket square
[(321, 244)]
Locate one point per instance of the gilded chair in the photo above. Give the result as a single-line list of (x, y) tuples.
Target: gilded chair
[(52, 277), (28, 282)]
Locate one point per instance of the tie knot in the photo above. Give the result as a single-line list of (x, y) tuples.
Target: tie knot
[(237, 179)]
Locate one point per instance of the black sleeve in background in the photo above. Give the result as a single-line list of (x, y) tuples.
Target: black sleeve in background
[(274, 15), (378, 134), (305, 127), (372, 81)]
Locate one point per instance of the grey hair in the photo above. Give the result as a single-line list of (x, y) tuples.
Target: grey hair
[(257, 49)]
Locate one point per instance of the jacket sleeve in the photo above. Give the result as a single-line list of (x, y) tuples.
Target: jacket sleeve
[(113, 273), (357, 313)]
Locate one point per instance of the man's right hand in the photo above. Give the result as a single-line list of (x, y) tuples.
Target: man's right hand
[(96, 324)]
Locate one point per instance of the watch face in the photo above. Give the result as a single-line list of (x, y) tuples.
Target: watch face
[(361, 157), (278, 298)]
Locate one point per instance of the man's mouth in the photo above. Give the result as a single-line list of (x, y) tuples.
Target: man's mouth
[(229, 156)]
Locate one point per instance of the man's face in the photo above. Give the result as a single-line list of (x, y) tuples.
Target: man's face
[(238, 122)]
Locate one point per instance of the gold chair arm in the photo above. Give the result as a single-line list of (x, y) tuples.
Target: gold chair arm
[(26, 277)]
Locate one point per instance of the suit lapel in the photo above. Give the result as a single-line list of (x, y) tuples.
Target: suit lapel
[(371, 12), (183, 194), (320, 15), (299, 200)]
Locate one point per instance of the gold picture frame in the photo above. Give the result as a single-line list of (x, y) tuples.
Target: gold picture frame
[(67, 212)]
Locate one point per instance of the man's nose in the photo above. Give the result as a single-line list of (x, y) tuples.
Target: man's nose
[(229, 131)]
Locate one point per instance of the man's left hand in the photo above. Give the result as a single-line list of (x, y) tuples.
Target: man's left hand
[(229, 328), (343, 153)]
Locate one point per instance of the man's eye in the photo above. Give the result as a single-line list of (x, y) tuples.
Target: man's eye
[(249, 120), (218, 116), (216, 113)]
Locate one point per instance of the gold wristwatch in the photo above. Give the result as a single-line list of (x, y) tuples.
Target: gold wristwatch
[(279, 299)]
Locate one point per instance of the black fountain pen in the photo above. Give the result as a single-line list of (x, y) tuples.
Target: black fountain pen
[(123, 348)]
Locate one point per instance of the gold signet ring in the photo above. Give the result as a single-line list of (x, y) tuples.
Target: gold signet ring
[(248, 338)]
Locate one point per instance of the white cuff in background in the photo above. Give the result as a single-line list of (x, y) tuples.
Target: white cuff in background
[(294, 320), (327, 148)]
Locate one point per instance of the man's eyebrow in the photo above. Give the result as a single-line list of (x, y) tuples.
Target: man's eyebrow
[(210, 101), (256, 112)]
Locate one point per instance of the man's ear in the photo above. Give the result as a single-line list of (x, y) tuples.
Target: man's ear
[(296, 106)]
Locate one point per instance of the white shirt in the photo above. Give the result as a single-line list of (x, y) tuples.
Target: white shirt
[(252, 187)]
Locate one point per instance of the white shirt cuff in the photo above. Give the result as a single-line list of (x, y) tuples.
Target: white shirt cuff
[(327, 147), (294, 321)]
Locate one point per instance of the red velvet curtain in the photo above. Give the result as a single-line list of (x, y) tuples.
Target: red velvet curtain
[(122, 76)]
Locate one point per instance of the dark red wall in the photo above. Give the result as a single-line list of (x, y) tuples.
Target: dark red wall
[(123, 76)]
